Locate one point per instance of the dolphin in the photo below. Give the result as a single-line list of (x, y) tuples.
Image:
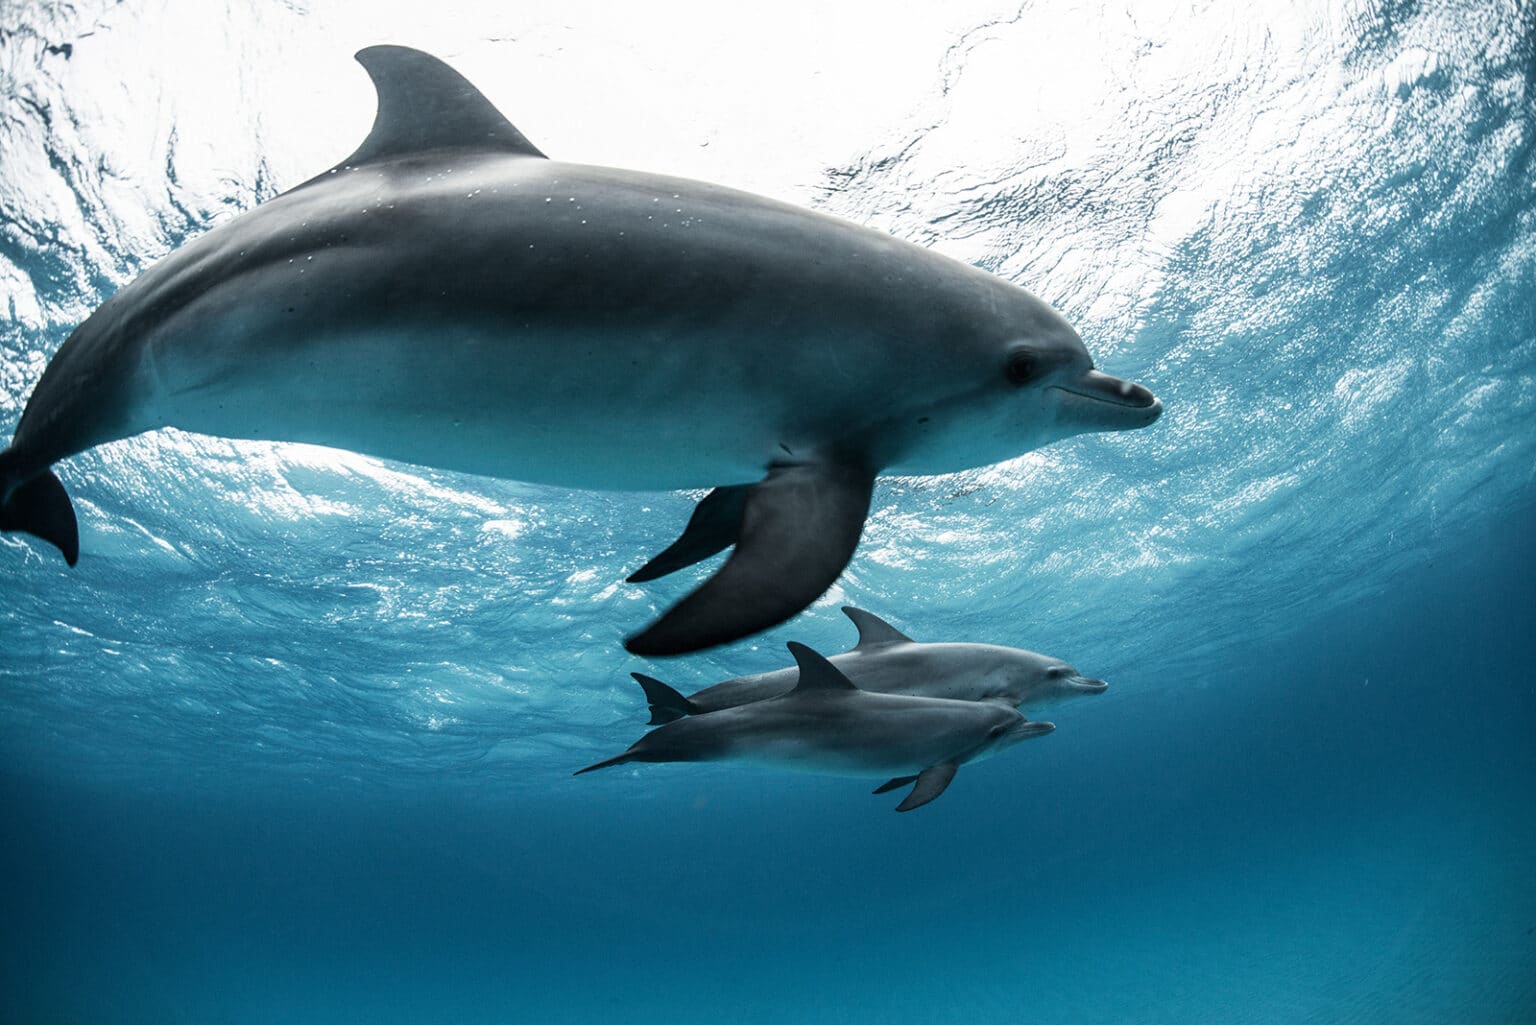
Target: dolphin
[(826, 724), (449, 296), (887, 661)]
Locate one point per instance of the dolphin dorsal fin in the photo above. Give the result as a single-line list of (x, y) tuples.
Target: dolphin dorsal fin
[(816, 673), (873, 631), (426, 105)]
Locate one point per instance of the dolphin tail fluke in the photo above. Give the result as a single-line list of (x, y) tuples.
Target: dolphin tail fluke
[(931, 782), (39, 506), (606, 763), (666, 704), (799, 527)]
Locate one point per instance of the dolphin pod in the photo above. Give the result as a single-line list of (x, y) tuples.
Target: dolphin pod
[(449, 296), (887, 661), (826, 724)]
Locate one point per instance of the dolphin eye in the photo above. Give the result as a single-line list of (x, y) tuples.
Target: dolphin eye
[(1023, 366), (1057, 672)]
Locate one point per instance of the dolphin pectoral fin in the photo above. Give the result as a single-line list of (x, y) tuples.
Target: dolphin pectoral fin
[(606, 762), (666, 704), (894, 784), (930, 784), (41, 507), (799, 527), (713, 527)]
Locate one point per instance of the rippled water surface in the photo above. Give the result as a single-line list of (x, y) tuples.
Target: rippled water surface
[(292, 743)]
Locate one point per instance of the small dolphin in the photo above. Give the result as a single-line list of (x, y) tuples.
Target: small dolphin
[(826, 724), (887, 661), (449, 296)]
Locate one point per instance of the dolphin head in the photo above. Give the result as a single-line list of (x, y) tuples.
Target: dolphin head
[(1053, 378), (1020, 382), (1025, 679), (1006, 734), (1045, 681), (1049, 388)]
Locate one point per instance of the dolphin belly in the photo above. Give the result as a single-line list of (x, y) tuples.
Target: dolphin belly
[(871, 735), (455, 409)]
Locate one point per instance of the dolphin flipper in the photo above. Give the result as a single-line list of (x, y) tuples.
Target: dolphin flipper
[(41, 507), (713, 527), (893, 784), (930, 784), (799, 527), (666, 704), (606, 763)]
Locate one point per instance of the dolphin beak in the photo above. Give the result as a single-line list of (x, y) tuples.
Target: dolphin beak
[(1088, 686), (1099, 402)]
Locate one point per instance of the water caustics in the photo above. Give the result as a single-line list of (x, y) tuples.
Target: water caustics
[(1200, 229), (294, 741)]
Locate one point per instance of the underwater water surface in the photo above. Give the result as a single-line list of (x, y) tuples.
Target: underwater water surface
[(293, 742)]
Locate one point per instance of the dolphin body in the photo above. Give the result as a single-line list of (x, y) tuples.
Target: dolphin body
[(826, 724), (449, 296), (887, 661)]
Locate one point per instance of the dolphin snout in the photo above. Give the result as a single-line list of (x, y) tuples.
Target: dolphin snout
[(1108, 403), (1089, 686), (1105, 388)]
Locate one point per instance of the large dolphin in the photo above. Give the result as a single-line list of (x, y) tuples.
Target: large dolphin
[(826, 724), (887, 661), (448, 296)]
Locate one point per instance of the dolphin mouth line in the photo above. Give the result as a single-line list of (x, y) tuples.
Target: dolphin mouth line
[(1090, 686), (1112, 391)]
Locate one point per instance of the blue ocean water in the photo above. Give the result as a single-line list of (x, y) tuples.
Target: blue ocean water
[(293, 742)]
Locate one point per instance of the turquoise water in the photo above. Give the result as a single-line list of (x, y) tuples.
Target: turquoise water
[(293, 742)]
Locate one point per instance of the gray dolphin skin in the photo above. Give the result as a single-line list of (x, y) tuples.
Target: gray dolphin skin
[(448, 296), (826, 724), (887, 661)]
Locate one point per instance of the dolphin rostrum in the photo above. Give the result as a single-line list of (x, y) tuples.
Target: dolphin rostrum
[(887, 661), (826, 724), (449, 296)]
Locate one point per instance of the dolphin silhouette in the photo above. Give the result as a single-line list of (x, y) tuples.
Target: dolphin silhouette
[(449, 296), (887, 661), (826, 724)]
